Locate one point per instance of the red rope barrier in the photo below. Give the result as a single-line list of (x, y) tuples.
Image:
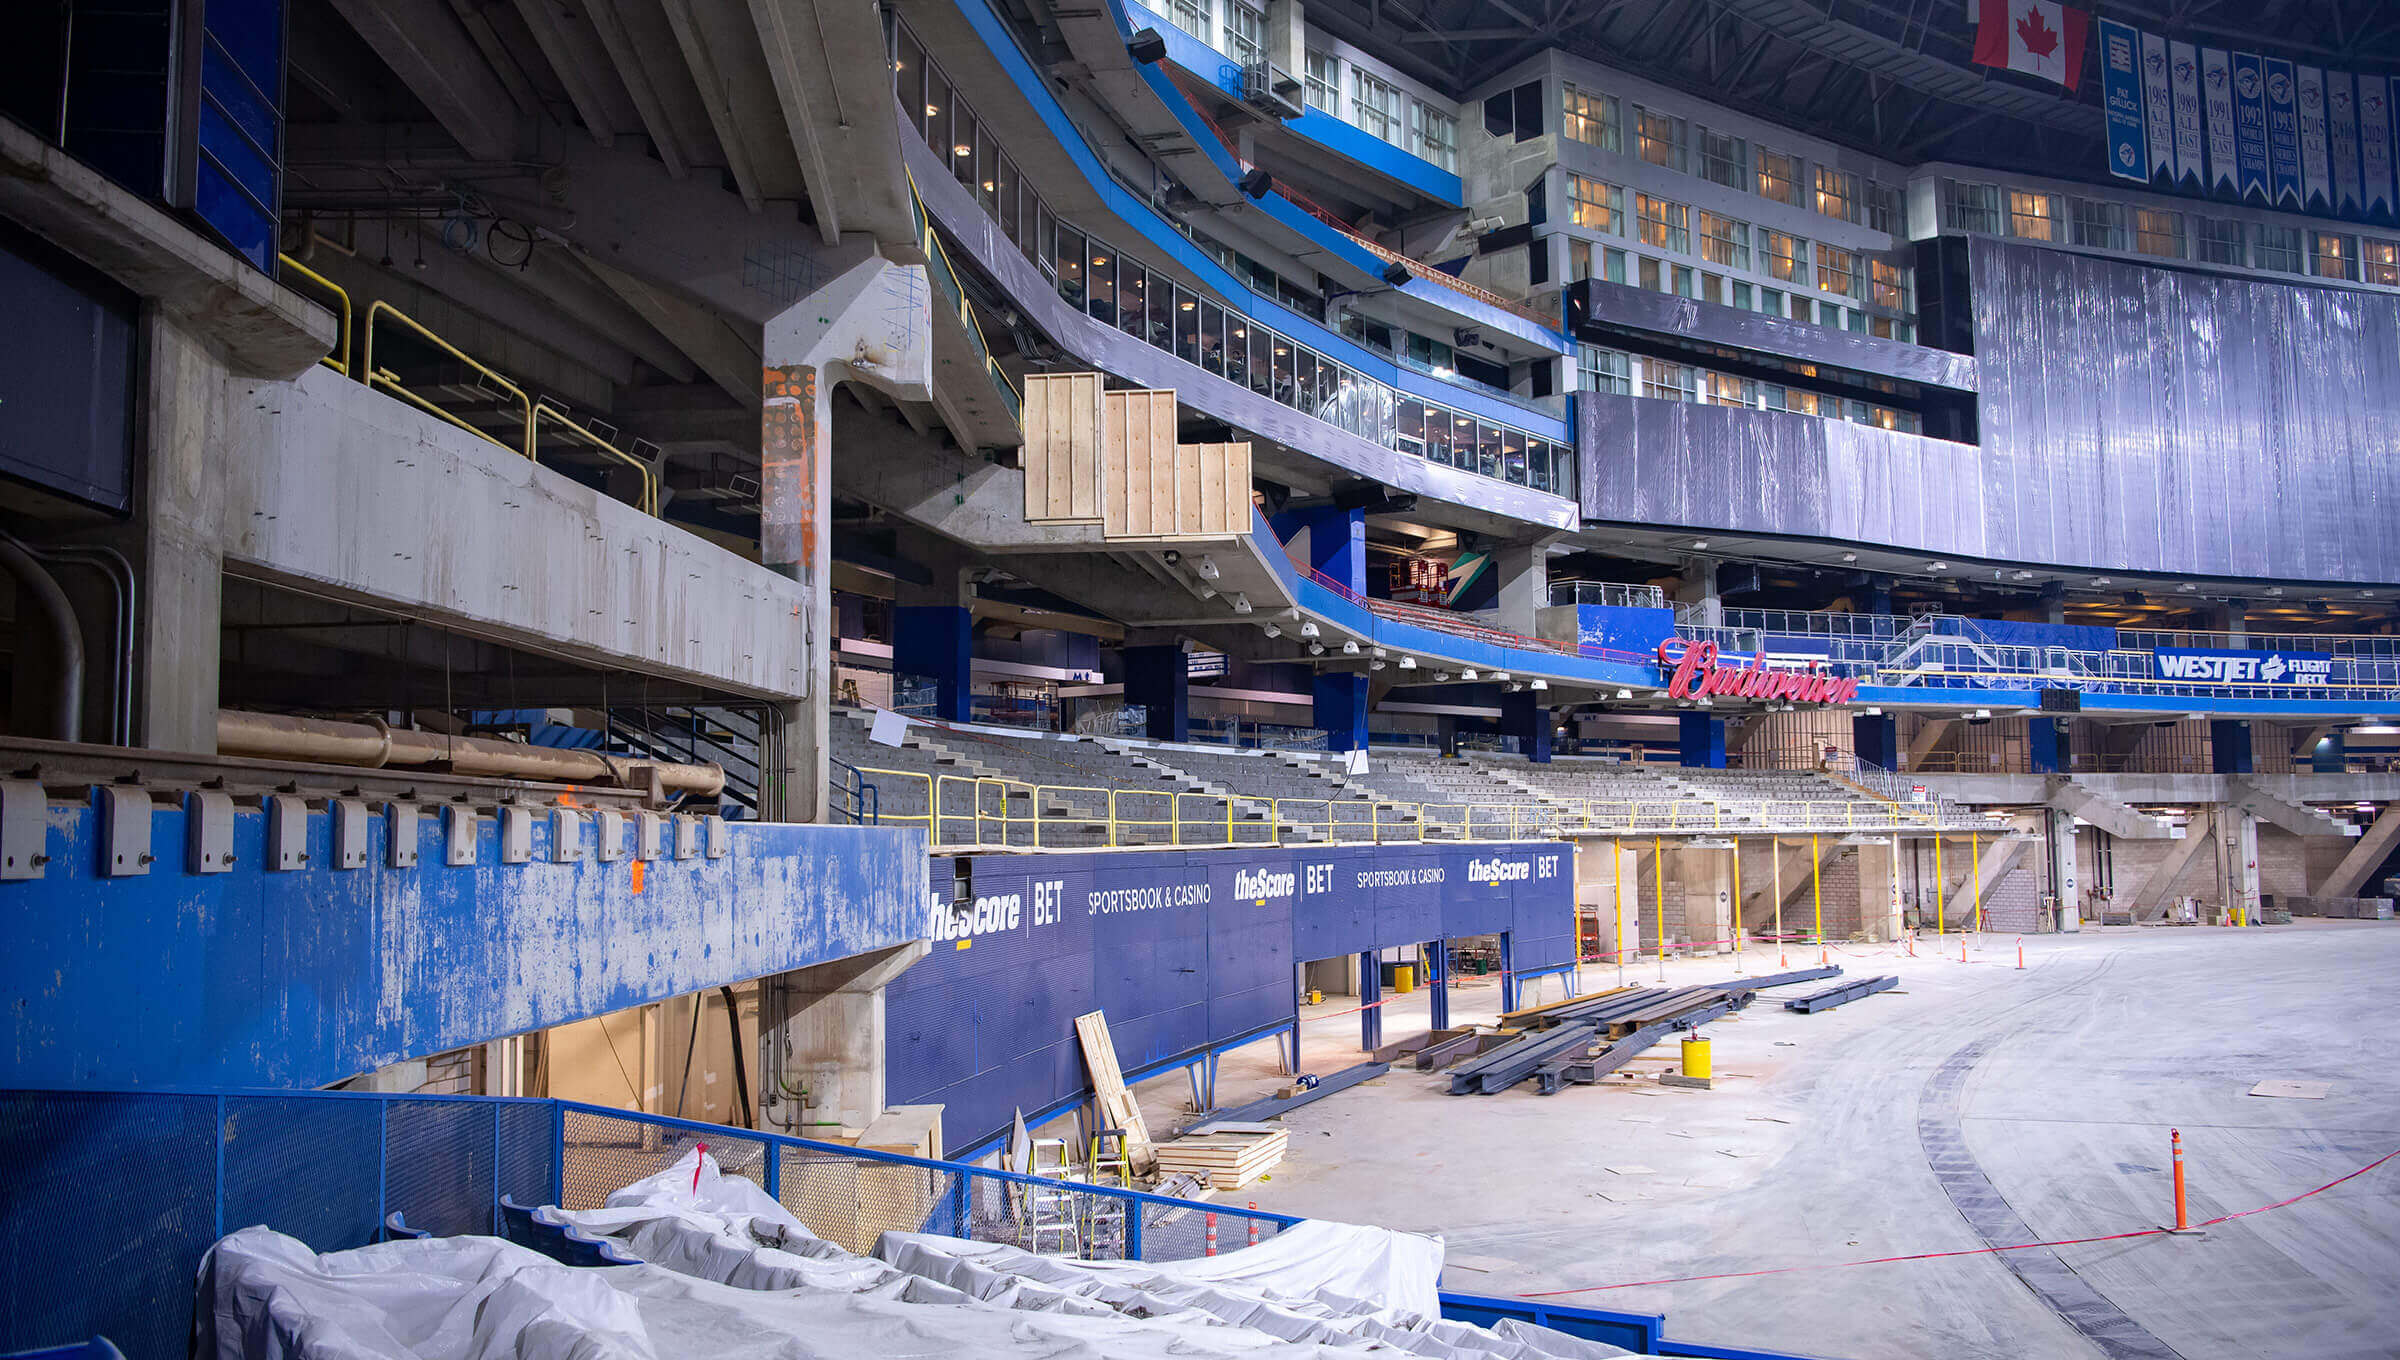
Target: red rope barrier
[(1975, 1251)]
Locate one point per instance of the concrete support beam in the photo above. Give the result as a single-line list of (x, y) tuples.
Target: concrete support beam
[(821, 1030), (2199, 836), (2373, 848), (2292, 817), (1929, 735), (720, 46), (1524, 583), (2066, 878), (869, 326), (422, 42), (1696, 593), (833, 85), (727, 352), (2115, 818), (581, 63), (641, 47), (1986, 862), (1879, 890), (1707, 874)]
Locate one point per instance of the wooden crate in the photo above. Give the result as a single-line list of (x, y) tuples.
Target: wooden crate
[(1228, 1156), (1064, 480), (1137, 462)]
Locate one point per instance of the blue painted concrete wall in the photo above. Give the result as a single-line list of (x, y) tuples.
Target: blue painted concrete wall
[(300, 978), (1180, 955)]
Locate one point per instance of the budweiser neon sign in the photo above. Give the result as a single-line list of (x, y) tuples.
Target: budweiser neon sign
[(1693, 673)]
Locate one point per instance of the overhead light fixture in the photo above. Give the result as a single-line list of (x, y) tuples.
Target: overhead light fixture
[(1849, 557), (1208, 592), (1316, 649), (1308, 629), (2274, 590), (1501, 675), (1513, 688), (1258, 183), (2366, 594), (1698, 544), (2099, 580), (2024, 576), (1539, 684), (1874, 712), (1982, 713), (1408, 663), (1207, 567), (1441, 677), (1274, 630), (1467, 675), (1396, 274), (1374, 665), (1349, 649), (1241, 602), (1937, 566), (2187, 586), (1146, 46)]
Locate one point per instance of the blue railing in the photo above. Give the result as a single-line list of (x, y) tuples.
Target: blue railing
[(855, 799), (113, 1197)]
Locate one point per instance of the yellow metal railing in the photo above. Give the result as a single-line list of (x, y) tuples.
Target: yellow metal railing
[(543, 410), (341, 365), (390, 382)]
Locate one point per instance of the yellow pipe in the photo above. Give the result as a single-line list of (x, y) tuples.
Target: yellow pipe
[(341, 366), (1658, 891), (1816, 888), (1975, 848)]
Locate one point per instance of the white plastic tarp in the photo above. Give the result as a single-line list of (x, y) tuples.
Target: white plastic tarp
[(727, 1271)]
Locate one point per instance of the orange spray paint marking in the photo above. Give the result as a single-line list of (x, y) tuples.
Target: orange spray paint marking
[(638, 866)]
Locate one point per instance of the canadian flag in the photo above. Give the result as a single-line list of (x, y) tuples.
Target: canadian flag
[(2038, 37)]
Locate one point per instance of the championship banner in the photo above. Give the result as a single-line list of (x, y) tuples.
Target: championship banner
[(2158, 106), (2375, 143), (2283, 133), (2216, 95), (2250, 123), (2183, 74), (2341, 123), (2316, 179), (2121, 97)]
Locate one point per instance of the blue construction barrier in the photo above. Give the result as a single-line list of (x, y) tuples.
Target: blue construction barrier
[(113, 1198)]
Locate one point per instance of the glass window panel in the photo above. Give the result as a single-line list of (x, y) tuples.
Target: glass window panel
[(1102, 279), (1649, 273), (1410, 418), (1487, 449), (2221, 241), (1724, 241), (2031, 216), (1324, 84), (1158, 310), (1837, 193), (1591, 118), (1595, 204), (937, 111), (1663, 223), (1287, 360), (1187, 327), (1212, 338), (1742, 296), (908, 78), (1244, 30), (1724, 158), (963, 131), (1658, 138), (1304, 371), (1437, 435), (1133, 291), (2333, 255), (1512, 456), (1237, 349), (1613, 265), (1778, 176), (1069, 265), (987, 172), (2159, 232), (2382, 262)]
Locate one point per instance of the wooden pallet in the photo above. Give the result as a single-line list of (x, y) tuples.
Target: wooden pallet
[(1118, 1110), (1227, 1157)]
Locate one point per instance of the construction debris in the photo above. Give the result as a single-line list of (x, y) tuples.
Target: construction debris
[(1586, 1039), (1840, 995), (1117, 1107)]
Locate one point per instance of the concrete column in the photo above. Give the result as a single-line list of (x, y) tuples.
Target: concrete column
[(871, 324), (1879, 890), (1702, 740), (1157, 676), (2241, 861), (1337, 542), (176, 552), (1523, 717), (821, 1029), (1708, 898), (1698, 589), (2228, 746), (1287, 36), (2232, 619), (1341, 709), (2065, 878), (1524, 585), (2047, 748)]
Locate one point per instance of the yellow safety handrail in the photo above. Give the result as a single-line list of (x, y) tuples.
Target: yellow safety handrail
[(543, 410), (341, 365), (376, 377)]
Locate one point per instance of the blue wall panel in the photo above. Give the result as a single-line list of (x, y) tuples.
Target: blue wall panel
[(1183, 949), (301, 978)]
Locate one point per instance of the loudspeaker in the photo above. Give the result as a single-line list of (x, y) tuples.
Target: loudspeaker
[(1146, 46)]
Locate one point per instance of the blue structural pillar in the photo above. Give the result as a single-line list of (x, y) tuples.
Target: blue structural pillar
[(2229, 746), (1370, 1000), (1876, 739), (1337, 542), (1437, 977), (1703, 741), (2330, 755), (1342, 709), (1523, 717), (936, 641), (1159, 679), (1508, 971), (2045, 745)]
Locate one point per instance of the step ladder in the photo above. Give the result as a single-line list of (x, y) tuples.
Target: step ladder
[(1105, 1236), (1050, 1215)]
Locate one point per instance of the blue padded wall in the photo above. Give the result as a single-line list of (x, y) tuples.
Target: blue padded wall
[(1180, 961)]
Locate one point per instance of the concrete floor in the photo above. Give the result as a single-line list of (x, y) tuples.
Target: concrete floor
[(2067, 1077)]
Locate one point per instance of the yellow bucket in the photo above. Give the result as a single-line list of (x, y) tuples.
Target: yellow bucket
[(1404, 978), (1695, 1057)]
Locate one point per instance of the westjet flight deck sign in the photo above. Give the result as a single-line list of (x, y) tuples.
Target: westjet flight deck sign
[(2210, 667)]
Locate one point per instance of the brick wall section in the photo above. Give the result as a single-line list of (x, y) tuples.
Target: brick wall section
[(449, 1074)]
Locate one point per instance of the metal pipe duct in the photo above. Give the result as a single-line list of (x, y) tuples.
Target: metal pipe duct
[(377, 744), (41, 592)]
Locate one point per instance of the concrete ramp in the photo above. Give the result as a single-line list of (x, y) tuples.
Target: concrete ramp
[(2297, 818), (2364, 858), (2108, 814)]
